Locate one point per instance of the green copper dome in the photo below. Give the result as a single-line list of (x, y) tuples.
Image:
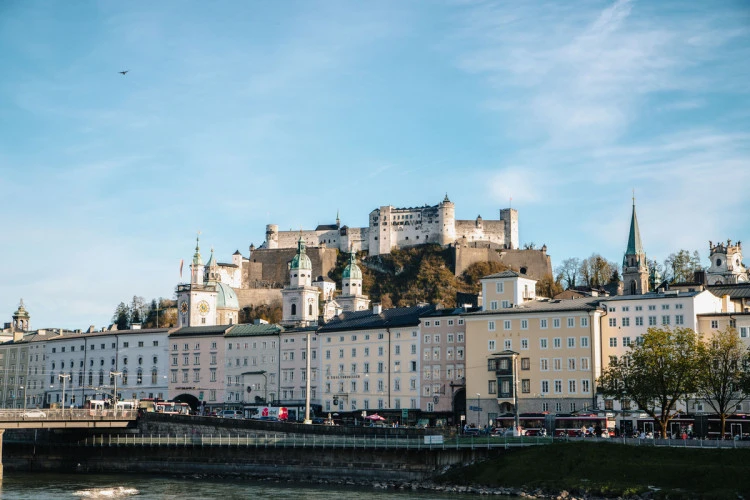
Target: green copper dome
[(226, 298), (301, 260), (352, 270)]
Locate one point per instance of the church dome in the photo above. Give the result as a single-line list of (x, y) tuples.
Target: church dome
[(226, 298), (352, 270), (301, 260)]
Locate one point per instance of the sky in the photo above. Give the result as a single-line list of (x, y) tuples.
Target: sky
[(237, 114)]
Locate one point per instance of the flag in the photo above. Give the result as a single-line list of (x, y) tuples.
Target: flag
[(182, 261)]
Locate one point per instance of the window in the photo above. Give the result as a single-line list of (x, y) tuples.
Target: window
[(557, 364), (585, 387), (557, 342), (571, 342), (524, 344), (493, 305), (571, 322), (500, 287), (584, 322), (652, 308), (542, 343), (665, 319), (555, 322), (651, 320), (542, 323), (508, 344), (625, 341), (572, 364), (613, 322), (584, 341), (492, 387), (491, 326), (714, 324), (613, 342), (584, 364), (525, 386), (524, 324), (678, 306), (525, 363), (506, 324), (558, 386), (743, 332), (639, 321), (543, 364), (625, 321), (545, 387), (665, 307), (571, 386), (491, 345)]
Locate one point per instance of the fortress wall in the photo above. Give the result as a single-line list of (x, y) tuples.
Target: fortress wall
[(536, 262), (256, 296), (274, 262)]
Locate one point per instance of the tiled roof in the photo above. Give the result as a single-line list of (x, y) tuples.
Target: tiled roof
[(252, 330), (193, 331), (457, 311), (505, 274), (554, 305), (738, 291), (362, 320), (651, 295), (142, 331)]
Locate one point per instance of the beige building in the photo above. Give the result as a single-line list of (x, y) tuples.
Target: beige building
[(557, 342), (251, 363)]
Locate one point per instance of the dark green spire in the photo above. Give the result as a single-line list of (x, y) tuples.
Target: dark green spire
[(634, 240)]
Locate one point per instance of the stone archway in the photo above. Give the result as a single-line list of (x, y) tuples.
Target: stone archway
[(190, 400)]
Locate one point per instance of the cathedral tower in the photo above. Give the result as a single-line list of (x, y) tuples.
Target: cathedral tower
[(351, 298), (300, 298), (634, 264)]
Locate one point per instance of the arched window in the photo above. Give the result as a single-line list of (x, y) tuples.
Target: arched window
[(139, 377), (309, 310), (632, 287), (101, 377), (124, 377), (294, 309), (154, 376)]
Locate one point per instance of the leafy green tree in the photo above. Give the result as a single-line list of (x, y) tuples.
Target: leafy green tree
[(122, 317), (680, 267), (723, 372), (656, 373)]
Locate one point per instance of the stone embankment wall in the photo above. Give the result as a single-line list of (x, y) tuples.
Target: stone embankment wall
[(71, 451)]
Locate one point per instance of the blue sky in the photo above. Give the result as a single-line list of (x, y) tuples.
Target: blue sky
[(238, 114)]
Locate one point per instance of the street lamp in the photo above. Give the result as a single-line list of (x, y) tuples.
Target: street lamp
[(63, 377), (114, 376), (24, 396), (479, 409)]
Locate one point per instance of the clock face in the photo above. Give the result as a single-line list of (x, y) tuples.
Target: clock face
[(203, 307), (184, 307)]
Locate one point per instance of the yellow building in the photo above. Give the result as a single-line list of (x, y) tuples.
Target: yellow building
[(558, 346)]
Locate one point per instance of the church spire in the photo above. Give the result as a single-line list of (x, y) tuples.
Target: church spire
[(634, 239)]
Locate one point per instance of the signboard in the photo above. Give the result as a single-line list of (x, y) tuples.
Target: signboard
[(475, 408), (200, 396), (438, 439), (405, 413)]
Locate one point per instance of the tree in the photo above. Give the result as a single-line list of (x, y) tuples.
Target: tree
[(596, 271), (137, 310), (548, 287), (655, 373), (680, 267), (567, 272), (122, 317), (723, 372)]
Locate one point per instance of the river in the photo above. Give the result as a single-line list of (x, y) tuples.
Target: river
[(25, 486)]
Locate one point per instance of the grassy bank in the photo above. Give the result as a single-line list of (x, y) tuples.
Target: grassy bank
[(615, 470)]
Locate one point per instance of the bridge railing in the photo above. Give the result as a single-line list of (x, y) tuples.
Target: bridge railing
[(59, 414)]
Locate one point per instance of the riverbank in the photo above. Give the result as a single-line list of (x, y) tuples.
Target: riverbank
[(606, 470)]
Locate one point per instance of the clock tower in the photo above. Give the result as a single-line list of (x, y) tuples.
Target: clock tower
[(196, 301)]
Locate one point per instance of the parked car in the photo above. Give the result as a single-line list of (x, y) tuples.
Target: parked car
[(501, 432), (34, 414), (471, 431), (229, 414)]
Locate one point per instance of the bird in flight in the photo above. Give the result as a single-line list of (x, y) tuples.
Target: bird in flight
[(123, 72)]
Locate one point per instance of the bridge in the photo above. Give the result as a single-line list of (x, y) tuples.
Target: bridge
[(62, 419)]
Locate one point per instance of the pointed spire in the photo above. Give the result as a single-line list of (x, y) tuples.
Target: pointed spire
[(338, 221), (197, 260), (634, 239)]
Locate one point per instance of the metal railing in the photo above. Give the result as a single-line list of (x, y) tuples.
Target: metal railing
[(68, 414), (276, 440), (670, 443)]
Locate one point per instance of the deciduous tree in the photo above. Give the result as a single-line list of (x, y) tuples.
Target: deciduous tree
[(655, 373), (567, 272), (680, 267), (723, 372)]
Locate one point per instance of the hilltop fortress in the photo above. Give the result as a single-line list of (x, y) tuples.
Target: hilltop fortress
[(259, 277), (391, 228)]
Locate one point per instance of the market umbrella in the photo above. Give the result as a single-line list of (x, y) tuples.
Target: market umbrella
[(374, 417)]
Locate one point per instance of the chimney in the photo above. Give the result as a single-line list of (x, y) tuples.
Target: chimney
[(725, 303), (17, 335), (377, 308), (91, 329)]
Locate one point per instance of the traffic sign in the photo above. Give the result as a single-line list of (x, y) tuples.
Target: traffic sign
[(405, 413), (475, 408)]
